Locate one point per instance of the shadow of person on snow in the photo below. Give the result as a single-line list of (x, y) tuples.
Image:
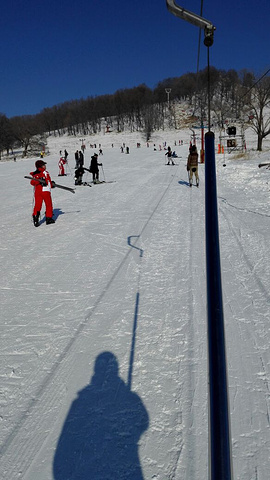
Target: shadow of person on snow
[(183, 182), (57, 212), (99, 439)]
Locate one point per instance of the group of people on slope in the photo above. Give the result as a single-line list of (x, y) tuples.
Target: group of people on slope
[(79, 159), (42, 182), (93, 169)]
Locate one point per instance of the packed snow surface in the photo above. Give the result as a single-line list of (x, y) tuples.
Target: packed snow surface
[(104, 325)]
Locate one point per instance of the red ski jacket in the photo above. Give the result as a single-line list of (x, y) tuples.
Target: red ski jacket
[(41, 174)]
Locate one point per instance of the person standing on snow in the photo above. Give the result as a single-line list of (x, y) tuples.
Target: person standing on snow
[(94, 168), (76, 159), (169, 154), (81, 159), (61, 164), (43, 185), (192, 165)]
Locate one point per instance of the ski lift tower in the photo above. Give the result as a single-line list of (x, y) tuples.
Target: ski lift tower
[(220, 462), (200, 127), (231, 140), (168, 91)]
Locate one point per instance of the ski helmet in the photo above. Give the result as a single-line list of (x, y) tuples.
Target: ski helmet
[(40, 163)]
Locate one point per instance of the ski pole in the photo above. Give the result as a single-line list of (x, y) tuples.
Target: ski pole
[(103, 172), (263, 165), (69, 168)]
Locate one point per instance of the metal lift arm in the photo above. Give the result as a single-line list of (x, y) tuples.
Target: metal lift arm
[(194, 19)]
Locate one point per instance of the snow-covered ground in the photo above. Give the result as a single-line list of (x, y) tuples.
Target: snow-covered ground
[(103, 325)]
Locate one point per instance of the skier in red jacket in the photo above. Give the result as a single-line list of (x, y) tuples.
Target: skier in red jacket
[(43, 185), (61, 164)]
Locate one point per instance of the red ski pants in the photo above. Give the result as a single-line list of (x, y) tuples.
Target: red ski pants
[(45, 197), (61, 170)]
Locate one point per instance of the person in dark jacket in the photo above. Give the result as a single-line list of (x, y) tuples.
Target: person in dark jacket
[(94, 168), (76, 158), (79, 175), (192, 165), (81, 159), (169, 155)]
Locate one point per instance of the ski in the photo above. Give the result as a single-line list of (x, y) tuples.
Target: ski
[(103, 181), (55, 184), (263, 165), (64, 187)]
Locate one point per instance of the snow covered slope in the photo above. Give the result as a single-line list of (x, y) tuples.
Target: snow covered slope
[(104, 334)]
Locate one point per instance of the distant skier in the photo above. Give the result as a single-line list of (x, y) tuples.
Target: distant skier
[(94, 168), (43, 185), (61, 164), (76, 158), (169, 155), (192, 165), (66, 154), (81, 159)]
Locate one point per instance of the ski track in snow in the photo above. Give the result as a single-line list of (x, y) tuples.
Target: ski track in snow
[(123, 270)]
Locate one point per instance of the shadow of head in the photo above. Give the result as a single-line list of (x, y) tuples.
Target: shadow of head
[(106, 365)]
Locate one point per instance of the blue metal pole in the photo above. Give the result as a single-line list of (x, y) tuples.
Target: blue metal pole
[(220, 448)]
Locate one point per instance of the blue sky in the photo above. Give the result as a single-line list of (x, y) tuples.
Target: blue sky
[(53, 51)]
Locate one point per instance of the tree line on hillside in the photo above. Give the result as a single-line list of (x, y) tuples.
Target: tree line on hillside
[(233, 95)]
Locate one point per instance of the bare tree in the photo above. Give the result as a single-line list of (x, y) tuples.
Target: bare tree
[(260, 100), (6, 134), (24, 128), (142, 109)]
